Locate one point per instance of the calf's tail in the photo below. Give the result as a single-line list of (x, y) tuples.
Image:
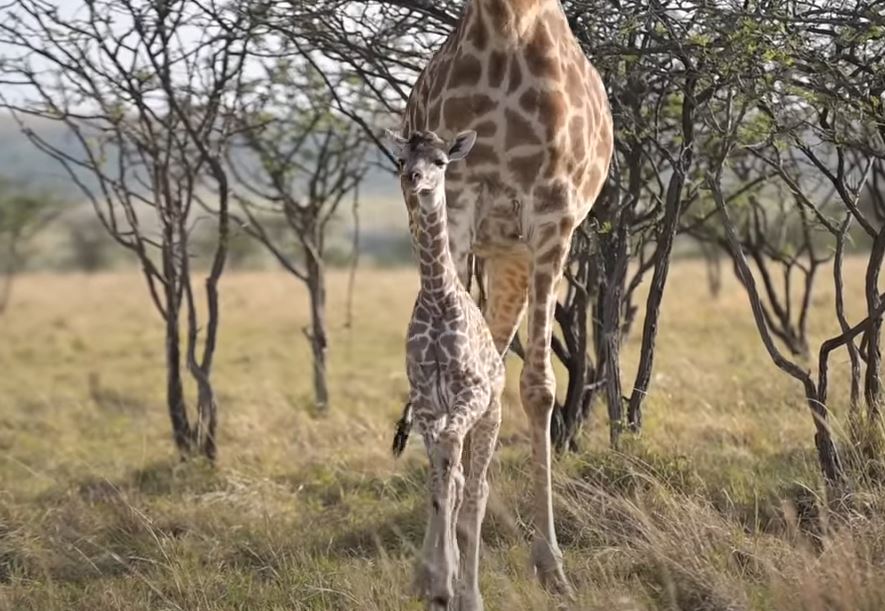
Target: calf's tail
[(403, 426)]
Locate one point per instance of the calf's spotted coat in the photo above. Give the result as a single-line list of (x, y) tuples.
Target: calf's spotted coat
[(456, 376)]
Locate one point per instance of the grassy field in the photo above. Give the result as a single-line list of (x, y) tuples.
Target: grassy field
[(716, 506)]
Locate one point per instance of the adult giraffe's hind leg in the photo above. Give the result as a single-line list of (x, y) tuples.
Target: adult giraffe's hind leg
[(507, 282), (537, 390)]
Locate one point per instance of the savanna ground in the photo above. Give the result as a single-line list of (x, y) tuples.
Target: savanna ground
[(716, 506)]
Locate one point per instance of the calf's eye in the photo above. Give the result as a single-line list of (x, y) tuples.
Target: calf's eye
[(439, 163)]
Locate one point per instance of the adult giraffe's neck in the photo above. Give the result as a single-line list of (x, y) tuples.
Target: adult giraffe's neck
[(439, 279), (504, 20)]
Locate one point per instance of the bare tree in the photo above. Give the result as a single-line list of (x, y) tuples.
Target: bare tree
[(841, 56), (816, 390), (800, 105), (667, 64), (88, 242), (142, 87), (830, 462), (302, 159), (385, 56), (778, 235)]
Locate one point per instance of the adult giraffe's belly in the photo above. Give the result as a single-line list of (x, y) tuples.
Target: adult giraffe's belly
[(499, 229), (487, 214)]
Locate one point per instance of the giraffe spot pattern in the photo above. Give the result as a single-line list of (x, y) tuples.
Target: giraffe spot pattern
[(539, 57), (485, 129), (497, 68), (479, 36), (467, 71), (551, 198), (553, 108), (483, 154), (460, 110), (526, 168), (515, 76), (519, 130)]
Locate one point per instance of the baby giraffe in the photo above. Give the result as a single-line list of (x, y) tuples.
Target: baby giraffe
[(456, 376)]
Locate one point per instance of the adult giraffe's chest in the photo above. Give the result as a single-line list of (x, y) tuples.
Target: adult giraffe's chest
[(543, 127)]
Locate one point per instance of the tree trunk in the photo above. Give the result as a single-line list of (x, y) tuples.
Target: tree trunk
[(714, 268), (855, 427), (181, 429), (611, 350), (673, 203), (872, 382), (207, 408), (354, 258), (316, 286), (6, 289), (8, 277), (653, 302), (608, 340), (207, 416), (827, 454), (568, 418)]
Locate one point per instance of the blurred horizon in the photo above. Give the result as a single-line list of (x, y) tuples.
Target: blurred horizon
[(383, 236)]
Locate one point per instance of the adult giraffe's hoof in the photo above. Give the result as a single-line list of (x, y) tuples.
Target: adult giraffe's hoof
[(548, 566), (554, 580), (422, 581), (438, 603), (435, 588), (468, 600)]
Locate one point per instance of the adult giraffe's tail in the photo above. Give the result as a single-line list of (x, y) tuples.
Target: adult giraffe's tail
[(403, 426)]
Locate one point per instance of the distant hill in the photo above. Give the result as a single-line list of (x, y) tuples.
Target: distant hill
[(20, 159), (382, 215)]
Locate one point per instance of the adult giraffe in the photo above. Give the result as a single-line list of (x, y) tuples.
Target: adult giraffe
[(513, 72)]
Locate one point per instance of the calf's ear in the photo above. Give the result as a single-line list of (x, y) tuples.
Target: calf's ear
[(395, 141), (461, 145)]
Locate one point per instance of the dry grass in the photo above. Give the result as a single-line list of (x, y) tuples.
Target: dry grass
[(714, 507)]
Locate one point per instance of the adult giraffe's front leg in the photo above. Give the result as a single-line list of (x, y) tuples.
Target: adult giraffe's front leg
[(537, 389)]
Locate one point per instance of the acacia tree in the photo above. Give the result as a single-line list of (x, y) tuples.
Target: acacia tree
[(141, 87), (654, 58), (668, 64), (816, 390), (778, 235), (301, 160), (394, 40), (811, 102), (839, 52)]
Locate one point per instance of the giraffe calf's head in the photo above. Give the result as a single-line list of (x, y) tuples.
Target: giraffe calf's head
[(422, 158)]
